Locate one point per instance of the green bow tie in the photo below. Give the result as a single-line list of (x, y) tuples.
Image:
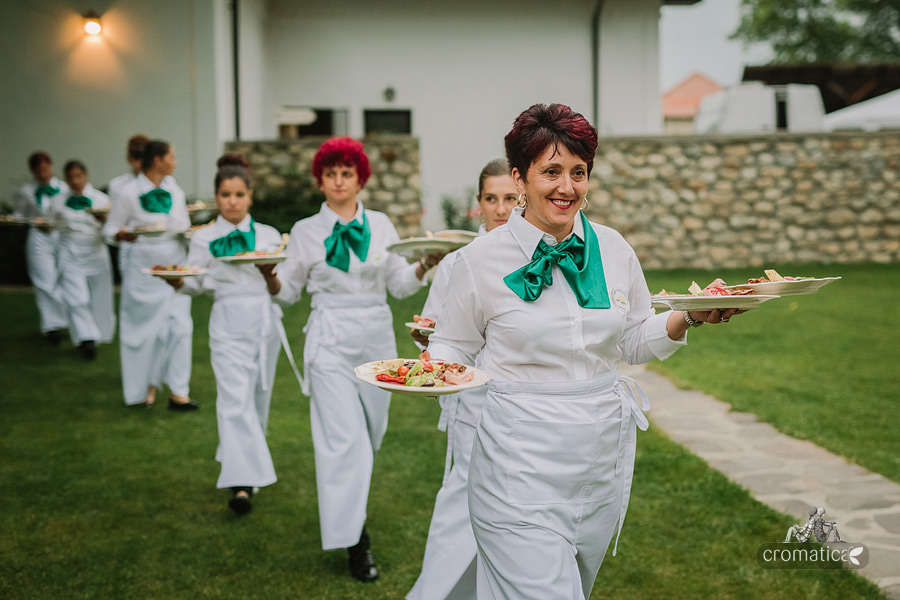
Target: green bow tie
[(354, 235), (579, 262), (234, 242), (157, 201), (78, 202), (45, 190)]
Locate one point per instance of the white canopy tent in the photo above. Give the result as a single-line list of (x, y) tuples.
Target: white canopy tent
[(881, 112)]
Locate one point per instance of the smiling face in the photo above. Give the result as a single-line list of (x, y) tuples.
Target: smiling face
[(555, 185), (498, 198), (234, 199), (340, 184)]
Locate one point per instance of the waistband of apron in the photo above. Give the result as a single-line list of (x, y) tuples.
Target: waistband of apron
[(571, 389), (243, 296), (326, 300)]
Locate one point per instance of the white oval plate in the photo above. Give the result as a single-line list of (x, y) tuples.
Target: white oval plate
[(270, 259), (745, 302), (416, 248), (148, 232), (794, 287), (424, 330), (366, 372), (176, 274)]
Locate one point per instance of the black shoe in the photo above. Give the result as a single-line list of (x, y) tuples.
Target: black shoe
[(362, 563), (89, 349), (240, 501), (54, 336), (183, 406)]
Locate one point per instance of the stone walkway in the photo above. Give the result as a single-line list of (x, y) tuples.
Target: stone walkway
[(787, 474)]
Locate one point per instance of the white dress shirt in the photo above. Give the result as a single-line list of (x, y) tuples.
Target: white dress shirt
[(126, 211), (305, 266), (224, 279), (552, 338), (78, 226)]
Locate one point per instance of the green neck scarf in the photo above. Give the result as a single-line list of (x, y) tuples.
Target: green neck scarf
[(352, 236), (579, 262), (234, 242), (157, 201), (45, 190), (78, 202)]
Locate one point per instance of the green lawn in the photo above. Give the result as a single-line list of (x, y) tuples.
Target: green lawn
[(104, 501), (820, 367)]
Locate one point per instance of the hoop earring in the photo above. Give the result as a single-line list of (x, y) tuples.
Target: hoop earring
[(522, 201), (585, 204)]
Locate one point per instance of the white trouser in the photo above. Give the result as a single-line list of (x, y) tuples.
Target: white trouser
[(448, 568), (87, 289), (243, 343), (549, 484), (348, 417), (40, 259), (155, 326)]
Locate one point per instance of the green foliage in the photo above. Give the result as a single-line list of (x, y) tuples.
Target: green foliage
[(458, 214), (810, 31), (283, 206)]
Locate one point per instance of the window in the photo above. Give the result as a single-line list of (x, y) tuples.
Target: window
[(387, 121), (297, 121)]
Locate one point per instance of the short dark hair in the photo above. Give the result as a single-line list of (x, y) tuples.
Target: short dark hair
[(152, 149), (342, 151), (74, 164), (36, 158), (136, 145), (543, 125), (231, 166)]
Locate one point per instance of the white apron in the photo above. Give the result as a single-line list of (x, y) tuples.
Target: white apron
[(87, 290), (349, 417), (448, 568), (155, 325), (244, 341), (549, 483), (41, 249)]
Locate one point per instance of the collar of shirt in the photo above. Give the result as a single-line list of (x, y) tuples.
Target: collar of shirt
[(331, 216), (228, 226), (528, 236)]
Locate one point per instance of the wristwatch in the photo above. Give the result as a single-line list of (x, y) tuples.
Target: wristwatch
[(690, 320)]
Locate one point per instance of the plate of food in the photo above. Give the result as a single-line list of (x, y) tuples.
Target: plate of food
[(715, 295), (419, 247), (100, 211), (422, 324), (255, 257), (460, 235), (174, 271), (773, 283), (14, 220), (149, 230), (421, 378)]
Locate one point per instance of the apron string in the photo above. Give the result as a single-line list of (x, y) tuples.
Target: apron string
[(632, 412)]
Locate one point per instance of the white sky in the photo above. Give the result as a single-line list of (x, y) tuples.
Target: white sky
[(695, 39)]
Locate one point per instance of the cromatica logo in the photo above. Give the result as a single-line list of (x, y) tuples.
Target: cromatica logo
[(816, 544)]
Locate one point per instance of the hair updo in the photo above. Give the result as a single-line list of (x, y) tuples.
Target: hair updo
[(342, 151), (541, 126), (231, 166)]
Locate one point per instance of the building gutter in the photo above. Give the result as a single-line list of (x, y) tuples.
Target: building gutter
[(595, 62), (235, 66)]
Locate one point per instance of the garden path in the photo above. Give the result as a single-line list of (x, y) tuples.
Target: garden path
[(787, 474)]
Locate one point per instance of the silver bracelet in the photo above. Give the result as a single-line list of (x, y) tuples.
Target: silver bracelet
[(690, 320)]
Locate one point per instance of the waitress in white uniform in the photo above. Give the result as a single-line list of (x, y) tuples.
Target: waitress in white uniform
[(42, 244), (116, 185), (552, 302), (155, 325), (339, 257), (84, 264), (244, 332), (448, 569)]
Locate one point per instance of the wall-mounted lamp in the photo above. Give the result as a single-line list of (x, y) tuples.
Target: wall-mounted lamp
[(92, 24), (389, 93)]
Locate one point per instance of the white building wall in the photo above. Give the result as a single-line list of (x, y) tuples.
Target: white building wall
[(465, 69), (151, 71)]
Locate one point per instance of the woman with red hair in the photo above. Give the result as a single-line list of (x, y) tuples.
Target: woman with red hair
[(339, 257), (551, 303)]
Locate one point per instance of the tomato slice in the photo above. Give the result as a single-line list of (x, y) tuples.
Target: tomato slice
[(390, 378)]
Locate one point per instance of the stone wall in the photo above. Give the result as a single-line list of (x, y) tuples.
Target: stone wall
[(762, 200), (394, 187)]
